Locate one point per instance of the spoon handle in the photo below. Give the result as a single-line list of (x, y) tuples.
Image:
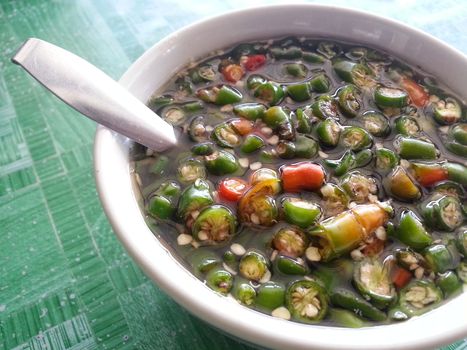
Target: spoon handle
[(93, 93)]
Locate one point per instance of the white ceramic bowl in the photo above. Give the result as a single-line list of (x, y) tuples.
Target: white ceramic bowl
[(116, 190)]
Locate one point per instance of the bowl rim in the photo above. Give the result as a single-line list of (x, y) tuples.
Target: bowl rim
[(197, 298)]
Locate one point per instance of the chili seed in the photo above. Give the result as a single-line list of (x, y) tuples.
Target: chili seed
[(380, 233), (266, 131), (312, 254), (237, 249), (273, 140), (281, 312), (244, 162), (202, 235), (184, 239), (255, 165)]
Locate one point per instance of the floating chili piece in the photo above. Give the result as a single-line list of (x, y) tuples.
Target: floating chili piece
[(302, 176)]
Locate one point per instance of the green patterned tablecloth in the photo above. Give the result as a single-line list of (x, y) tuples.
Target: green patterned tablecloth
[(65, 281)]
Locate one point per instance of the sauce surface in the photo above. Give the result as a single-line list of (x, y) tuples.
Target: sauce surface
[(315, 180)]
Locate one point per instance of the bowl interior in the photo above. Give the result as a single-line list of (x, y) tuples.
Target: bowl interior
[(119, 195)]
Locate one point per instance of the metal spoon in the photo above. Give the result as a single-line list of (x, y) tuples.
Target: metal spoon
[(93, 93)]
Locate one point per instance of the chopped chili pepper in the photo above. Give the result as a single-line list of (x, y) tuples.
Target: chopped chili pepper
[(302, 176), (242, 126), (232, 189), (400, 277), (429, 174), (254, 62), (417, 94), (233, 73)]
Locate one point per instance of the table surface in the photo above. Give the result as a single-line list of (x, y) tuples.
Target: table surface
[(65, 281)]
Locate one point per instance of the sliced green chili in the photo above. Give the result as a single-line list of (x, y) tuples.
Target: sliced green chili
[(230, 259), (197, 130), (254, 81), (388, 97), (252, 143), (456, 172), (450, 188), (376, 123), (342, 165), (225, 136), (221, 163), (220, 95), (358, 186), (444, 213), (215, 223), (386, 159), (296, 70), (220, 280), (194, 198), (303, 122), (346, 318), (350, 100), (203, 149), (407, 258), (412, 232), (328, 132), (286, 149), (174, 115), (447, 111), (300, 212), (279, 120), (190, 170), (162, 204), (411, 148), (156, 103), (250, 111), (441, 258), (407, 126), (270, 92), (457, 148), (373, 281), (353, 302), (324, 107), (291, 266), (244, 292), (307, 301), (160, 165), (449, 283), (352, 72), (461, 241), (299, 92), (462, 271), (418, 297), (305, 147), (459, 133), (253, 265), (356, 138), (270, 296), (290, 241), (401, 186), (312, 57), (320, 83)]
